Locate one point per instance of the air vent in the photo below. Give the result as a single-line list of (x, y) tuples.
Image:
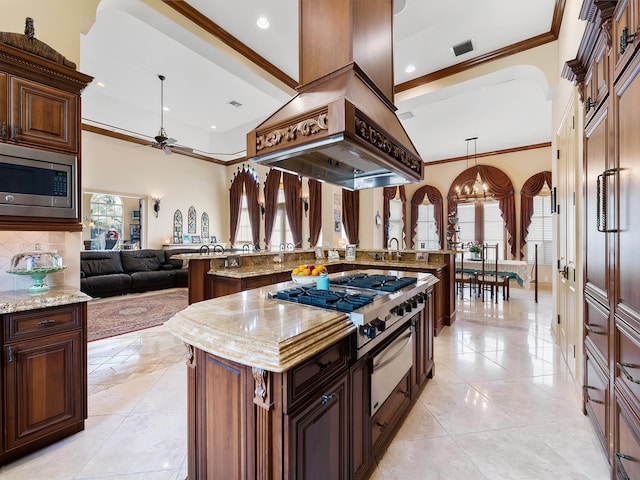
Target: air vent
[(462, 48), (405, 115), (233, 103)]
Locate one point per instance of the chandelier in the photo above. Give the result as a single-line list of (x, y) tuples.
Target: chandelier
[(473, 189)]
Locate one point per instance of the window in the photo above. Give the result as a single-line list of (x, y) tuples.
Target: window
[(540, 231), (490, 228), (466, 222), (426, 235), (493, 228), (106, 215), (281, 233), (244, 225), (396, 225)]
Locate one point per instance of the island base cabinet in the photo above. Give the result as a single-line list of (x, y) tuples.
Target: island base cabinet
[(319, 434)]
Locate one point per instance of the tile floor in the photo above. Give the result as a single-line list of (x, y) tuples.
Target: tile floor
[(501, 406)]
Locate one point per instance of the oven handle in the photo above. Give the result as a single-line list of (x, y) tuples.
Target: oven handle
[(394, 355)]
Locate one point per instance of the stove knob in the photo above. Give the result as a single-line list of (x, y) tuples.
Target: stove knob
[(399, 310), (381, 325), (407, 306), (414, 302), (420, 298), (368, 331)]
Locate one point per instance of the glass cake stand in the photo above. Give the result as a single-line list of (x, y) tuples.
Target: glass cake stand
[(36, 264)]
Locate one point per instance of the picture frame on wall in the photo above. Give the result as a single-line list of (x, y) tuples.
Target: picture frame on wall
[(186, 238), (214, 239), (177, 239), (195, 238)]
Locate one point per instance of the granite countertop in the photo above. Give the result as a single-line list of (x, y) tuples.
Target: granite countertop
[(249, 271), (252, 329), (20, 300)]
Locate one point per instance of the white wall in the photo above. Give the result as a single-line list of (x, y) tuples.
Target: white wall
[(118, 167)]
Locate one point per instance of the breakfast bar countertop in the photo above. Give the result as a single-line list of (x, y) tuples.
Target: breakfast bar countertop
[(251, 328)]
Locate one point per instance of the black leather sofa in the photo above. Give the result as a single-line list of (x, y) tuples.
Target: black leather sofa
[(106, 273)]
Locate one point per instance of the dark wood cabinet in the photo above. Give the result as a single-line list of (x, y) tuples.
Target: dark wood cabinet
[(44, 388), (318, 435), (40, 108), (42, 116), (606, 69), (423, 346)]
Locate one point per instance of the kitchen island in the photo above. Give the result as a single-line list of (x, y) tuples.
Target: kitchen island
[(280, 390), (210, 277)]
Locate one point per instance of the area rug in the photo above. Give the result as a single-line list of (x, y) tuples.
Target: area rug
[(107, 317)]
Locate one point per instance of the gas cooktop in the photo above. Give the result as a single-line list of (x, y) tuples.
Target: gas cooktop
[(341, 301), (386, 283)]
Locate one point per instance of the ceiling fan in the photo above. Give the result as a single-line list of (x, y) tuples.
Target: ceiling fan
[(161, 139)]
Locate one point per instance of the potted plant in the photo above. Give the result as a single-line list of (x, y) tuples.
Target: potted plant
[(474, 250)]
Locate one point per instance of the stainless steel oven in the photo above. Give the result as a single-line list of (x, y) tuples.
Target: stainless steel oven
[(389, 366)]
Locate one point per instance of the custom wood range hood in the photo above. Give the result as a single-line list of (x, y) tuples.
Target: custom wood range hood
[(341, 127)]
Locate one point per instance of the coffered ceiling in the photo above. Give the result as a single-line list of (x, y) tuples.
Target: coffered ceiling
[(214, 57)]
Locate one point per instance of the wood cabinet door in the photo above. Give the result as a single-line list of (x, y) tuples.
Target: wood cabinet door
[(318, 435), (596, 243), (43, 116), (4, 107), (43, 389), (627, 93)]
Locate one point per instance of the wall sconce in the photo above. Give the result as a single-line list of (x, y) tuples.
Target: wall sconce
[(261, 208), (305, 203), (89, 221), (378, 220), (156, 205)]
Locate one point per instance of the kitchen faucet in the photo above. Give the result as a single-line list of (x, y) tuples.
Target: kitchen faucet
[(204, 249), (218, 249), (246, 248), (397, 248)]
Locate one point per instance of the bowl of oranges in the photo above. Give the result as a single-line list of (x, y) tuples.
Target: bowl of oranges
[(307, 274)]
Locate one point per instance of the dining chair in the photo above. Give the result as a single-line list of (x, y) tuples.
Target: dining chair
[(489, 278), (464, 277)]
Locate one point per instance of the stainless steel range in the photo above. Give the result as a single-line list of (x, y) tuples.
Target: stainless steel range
[(376, 301), (383, 305)]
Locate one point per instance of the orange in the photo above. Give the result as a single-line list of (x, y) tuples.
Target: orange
[(306, 272), (315, 272), (296, 271)]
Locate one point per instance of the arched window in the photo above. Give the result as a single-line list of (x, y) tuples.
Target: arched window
[(106, 215), (427, 230), (281, 233), (485, 217), (536, 219)]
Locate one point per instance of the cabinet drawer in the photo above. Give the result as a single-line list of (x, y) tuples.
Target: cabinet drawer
[(309, 375), (33, 323), (387, 416), (628, 361), (596, 399), (627, 450), (596, 326)]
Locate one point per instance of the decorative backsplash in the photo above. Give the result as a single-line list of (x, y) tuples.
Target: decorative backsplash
[(12, 243)]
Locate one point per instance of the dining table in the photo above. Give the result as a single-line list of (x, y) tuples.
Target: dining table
[(520, 270)]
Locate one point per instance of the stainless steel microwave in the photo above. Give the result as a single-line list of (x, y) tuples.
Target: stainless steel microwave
[(37, 183)]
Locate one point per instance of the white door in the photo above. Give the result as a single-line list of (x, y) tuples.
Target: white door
[(568, 168)]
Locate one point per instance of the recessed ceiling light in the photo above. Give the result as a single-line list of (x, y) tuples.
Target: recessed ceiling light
[(214, 127), (263, 23), (166, 109), (410, 69), (100, 84)]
